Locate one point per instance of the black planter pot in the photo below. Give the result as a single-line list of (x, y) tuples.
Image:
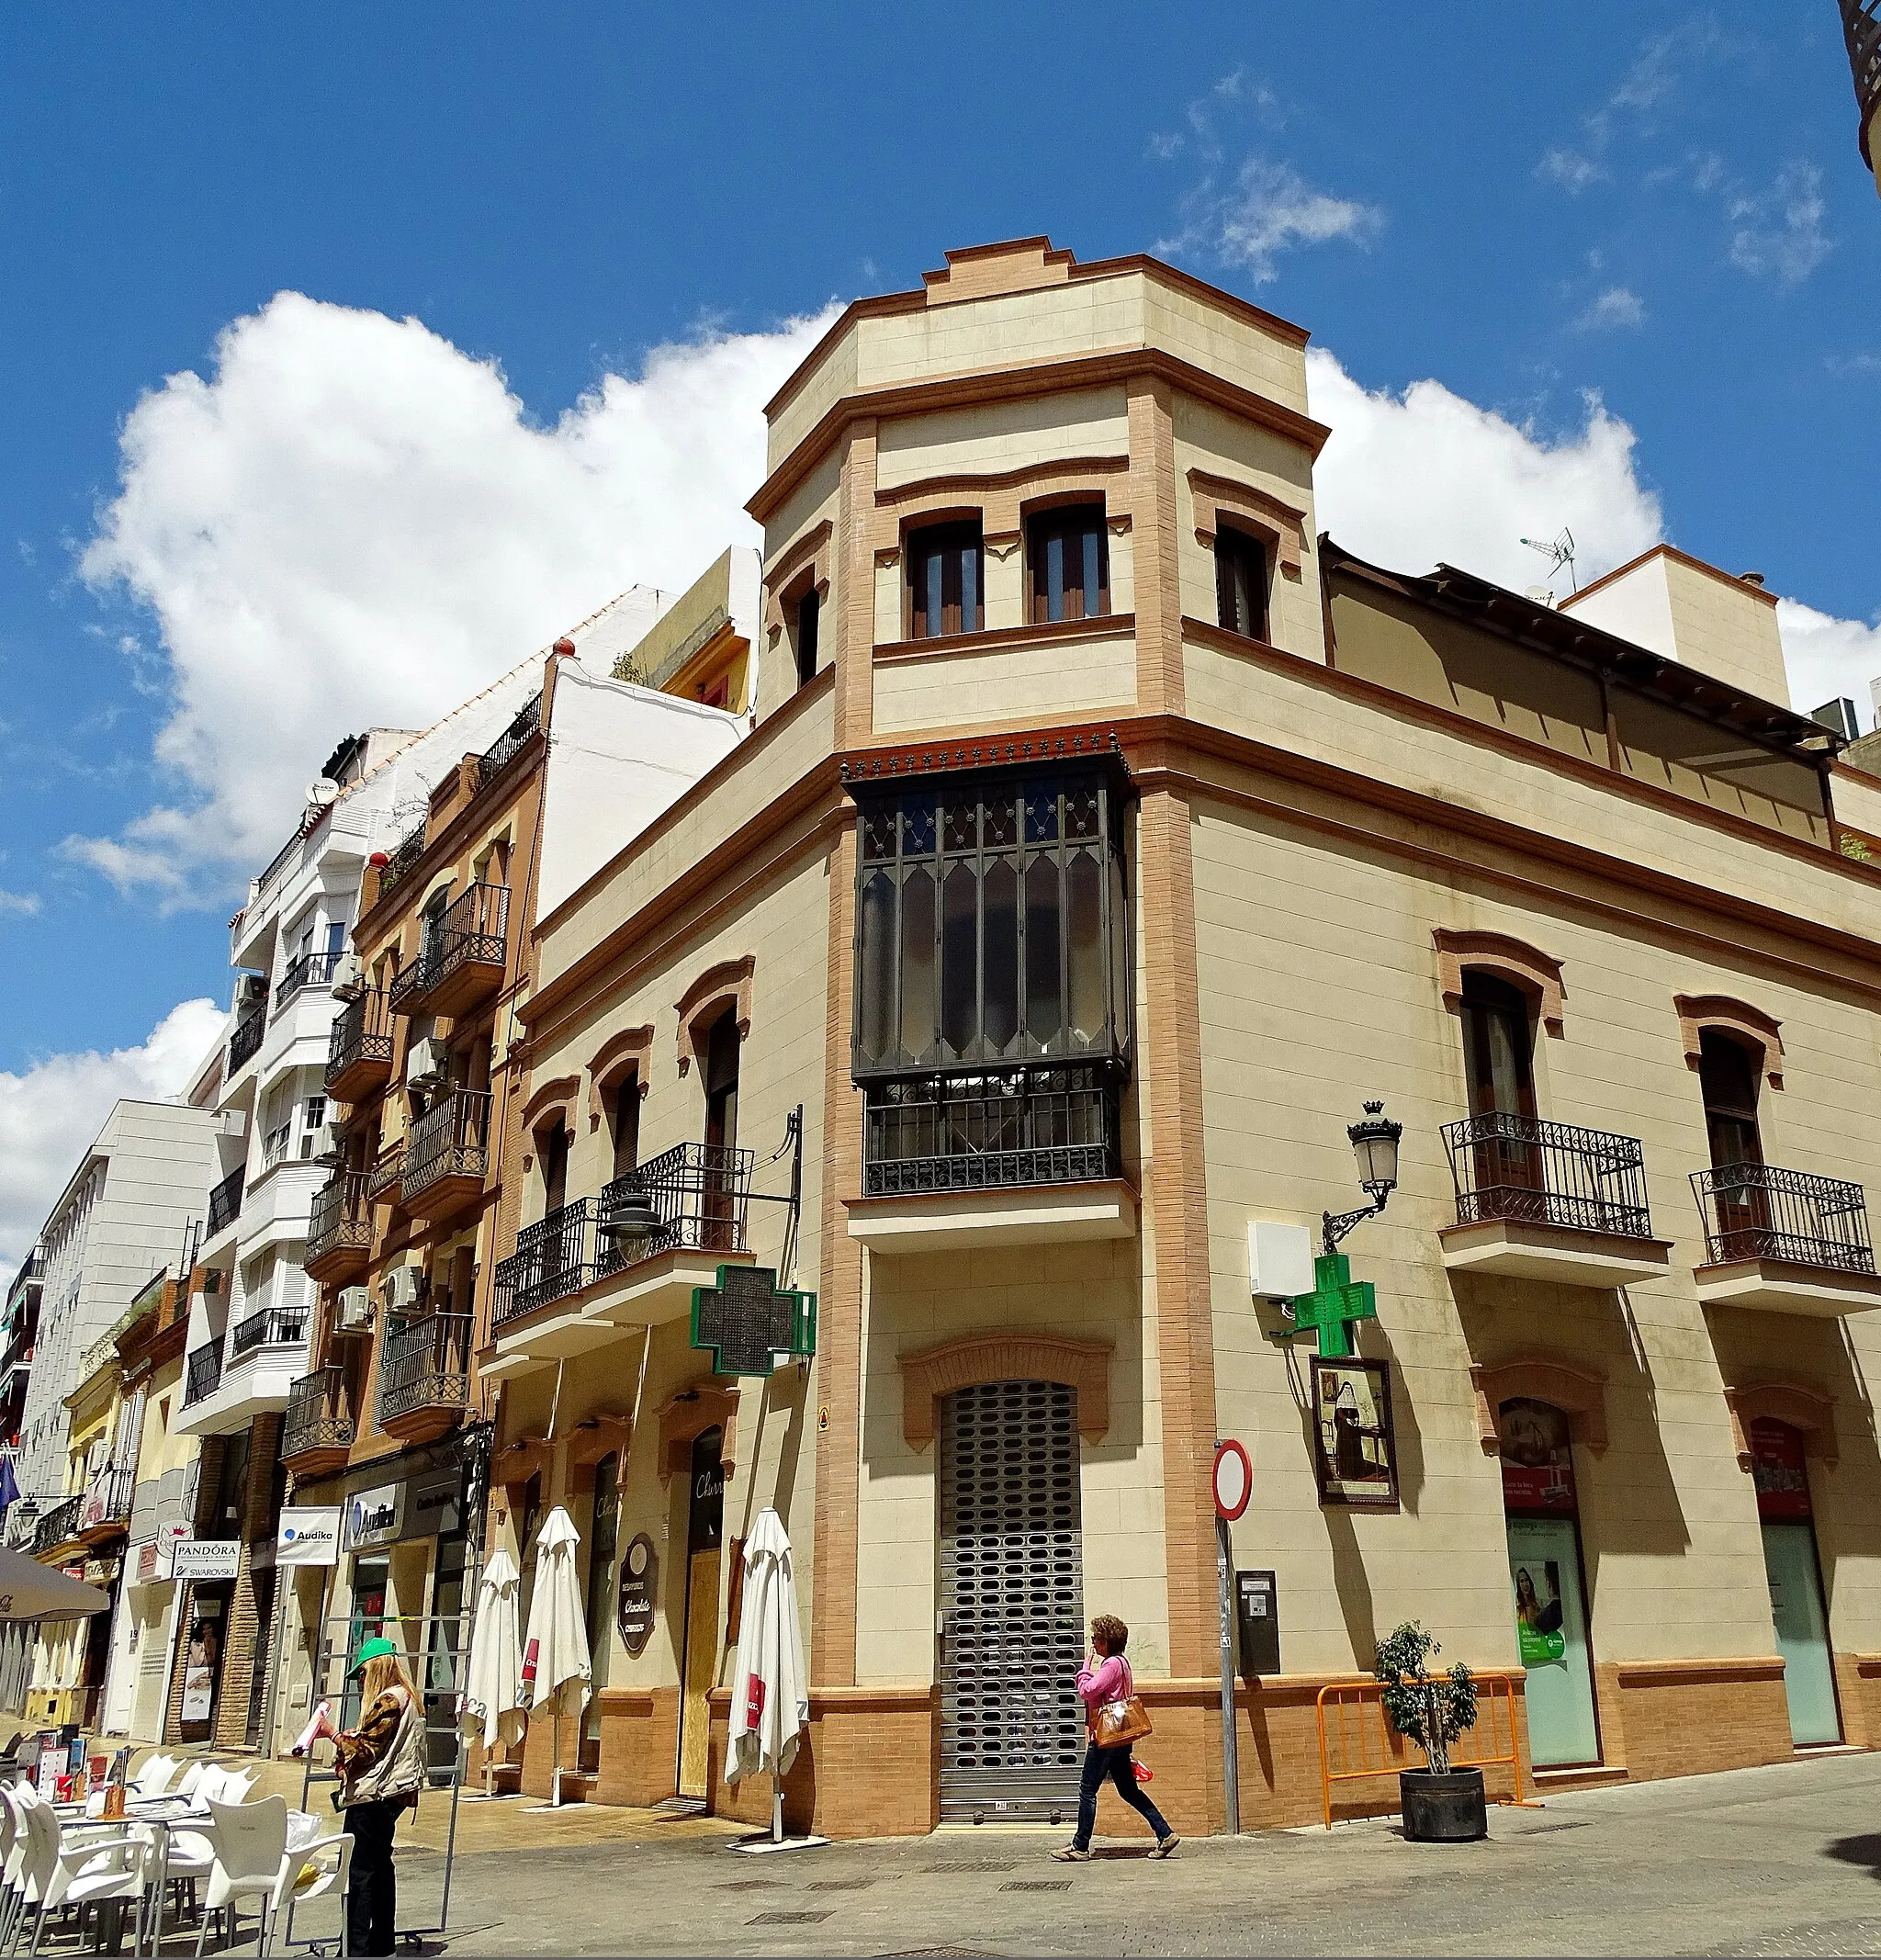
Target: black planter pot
[(1446, 1809)]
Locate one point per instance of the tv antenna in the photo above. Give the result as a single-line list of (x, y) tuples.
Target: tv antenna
[(1558, 551)]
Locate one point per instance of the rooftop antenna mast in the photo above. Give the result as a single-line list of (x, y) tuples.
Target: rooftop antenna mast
[(1558, 551)]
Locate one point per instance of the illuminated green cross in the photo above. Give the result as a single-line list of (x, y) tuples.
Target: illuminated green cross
[(1336, 1301)]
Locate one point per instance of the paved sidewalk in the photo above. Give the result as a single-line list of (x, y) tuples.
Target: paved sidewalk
[(1756, 1863)]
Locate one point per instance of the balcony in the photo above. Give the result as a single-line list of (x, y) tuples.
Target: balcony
[(1542, 1201), (578, 1280), (446, 1156), (359, 1052), (310, 969), (500, 753), (104, 1513), (317, 1433), (225, 1202), (203, 1372), (461, 963), (339, 1228), (405, 853), (424, 1376), (57, 1531), (382, 1181), (272, 1327), (957, 1162), (245, 1042), (1786, 1242)]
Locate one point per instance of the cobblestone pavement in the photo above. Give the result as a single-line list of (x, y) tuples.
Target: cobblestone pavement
[(1756, 1863)]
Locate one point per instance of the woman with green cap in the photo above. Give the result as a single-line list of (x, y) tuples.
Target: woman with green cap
[(381, 1765)]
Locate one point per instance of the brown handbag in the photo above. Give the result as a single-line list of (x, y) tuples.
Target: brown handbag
[(1120, 1723)]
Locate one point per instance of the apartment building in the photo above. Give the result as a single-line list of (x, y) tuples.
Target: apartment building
[(20, 1328), (1107, 843), (419, 1065)]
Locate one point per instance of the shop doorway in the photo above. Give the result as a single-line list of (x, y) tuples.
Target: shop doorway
[(604, 1573), (202, 1661), (699, 1660), (1542, 1519), (1012, 1734), (1788, 1518)]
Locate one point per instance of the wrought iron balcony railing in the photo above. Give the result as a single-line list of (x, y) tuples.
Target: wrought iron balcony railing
[(340, 1217), (449, 1141), (310, 969), (1531, 1172), (246, 1038), (424, 1364), (700, 1196), (991, 1132), (405, 853), (225, 1202), (1757, 1211), (272, 1327), (494, 760), (59, 1526), (388, 1171), (362, 1034), (469, 932), (317, 1417), (108, 1498), (203, 1372)]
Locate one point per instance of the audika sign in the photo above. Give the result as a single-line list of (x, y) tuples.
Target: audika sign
[(375, 1517), (308, 1535)]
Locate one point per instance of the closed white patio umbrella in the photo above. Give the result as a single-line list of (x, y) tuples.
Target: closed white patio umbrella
[(555, 1654), (29, 1591), (490, 1709), (770, 1695)]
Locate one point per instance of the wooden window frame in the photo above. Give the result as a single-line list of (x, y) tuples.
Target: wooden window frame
[(1065, 517), (1233, 542), (950, 533)]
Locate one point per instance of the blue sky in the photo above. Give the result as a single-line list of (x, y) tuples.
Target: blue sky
[(1660, 206)]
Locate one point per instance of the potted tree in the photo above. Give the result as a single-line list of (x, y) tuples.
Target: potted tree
[(1441, 1805)]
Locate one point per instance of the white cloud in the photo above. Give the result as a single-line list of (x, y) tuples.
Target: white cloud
[(351, 521), (1617, 306), (51, 1113), (1779, 232), (1269, 209), (23, 902), (1827, 657), (1571, 170), (1413, 478)]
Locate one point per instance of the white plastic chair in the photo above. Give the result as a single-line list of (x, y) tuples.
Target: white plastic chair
[(310, 1873), (153, 1778), (192, 1776), (14, 1800), (250, 1851), (236, 1785), (96, 1872)]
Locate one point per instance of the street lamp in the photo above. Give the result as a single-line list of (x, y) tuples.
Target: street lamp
[(1375, 1144)]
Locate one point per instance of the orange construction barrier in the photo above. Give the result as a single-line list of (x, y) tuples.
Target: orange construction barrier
[(1360, 1733)]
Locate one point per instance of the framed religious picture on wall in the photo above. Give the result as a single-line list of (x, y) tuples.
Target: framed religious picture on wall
[(1355, 1452)]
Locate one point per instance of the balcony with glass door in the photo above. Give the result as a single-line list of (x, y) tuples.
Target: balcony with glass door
[(424, 1375), (441, 1174), (360, 1047), (339, 1229), (318, 1431), (1545, 1201), (1785, 1241), (992, 1012), (459, 964)]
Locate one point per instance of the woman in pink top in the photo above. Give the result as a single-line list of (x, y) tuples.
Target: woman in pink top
[(1104, 1677)]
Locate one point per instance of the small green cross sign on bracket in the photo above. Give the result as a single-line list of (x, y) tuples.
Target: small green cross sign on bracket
[(1336, 1301), (750, 1322)]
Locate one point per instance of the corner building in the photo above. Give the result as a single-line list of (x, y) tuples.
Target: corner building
[(1104, 839)]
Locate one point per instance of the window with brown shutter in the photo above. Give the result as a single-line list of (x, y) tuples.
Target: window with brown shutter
[(1240, 583), (1068, 563), (946, 577)]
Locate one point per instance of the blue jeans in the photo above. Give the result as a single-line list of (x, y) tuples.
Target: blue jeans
[(1101, 1766)]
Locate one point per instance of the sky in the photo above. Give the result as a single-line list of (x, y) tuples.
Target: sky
[(351, 354)]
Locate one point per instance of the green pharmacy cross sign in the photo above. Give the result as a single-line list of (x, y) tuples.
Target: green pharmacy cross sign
[(750, 1324), (1336, 1301)]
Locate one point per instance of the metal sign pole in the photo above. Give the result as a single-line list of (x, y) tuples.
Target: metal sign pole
[(1231, 1746)]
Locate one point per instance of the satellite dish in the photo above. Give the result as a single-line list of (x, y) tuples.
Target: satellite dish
[(322, 791)]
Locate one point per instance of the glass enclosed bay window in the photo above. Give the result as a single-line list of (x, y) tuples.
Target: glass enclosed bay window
[(992, 923)]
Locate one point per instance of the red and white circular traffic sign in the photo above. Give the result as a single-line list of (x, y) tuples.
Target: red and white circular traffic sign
[(1233, 1479)]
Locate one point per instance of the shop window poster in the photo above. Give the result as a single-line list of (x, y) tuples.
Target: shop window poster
[(1537, 1457), (1355, 1451), (1538, 1614)]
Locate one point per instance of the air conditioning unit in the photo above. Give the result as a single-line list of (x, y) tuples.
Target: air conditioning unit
[(404, 1288), (250, 991), (234, 1123), (349, 976), (356, 1310), (427, 1060), (330, 1141)]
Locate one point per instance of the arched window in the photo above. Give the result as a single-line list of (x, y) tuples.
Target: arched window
[(1498, 1047), (1728, 1077)]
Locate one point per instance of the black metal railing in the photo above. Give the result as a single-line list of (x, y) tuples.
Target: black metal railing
[(989, 1131), (362, 1034), (699, 1195), (203, 1372), (449, 1141), (225, 1202), (59, 1526), (279, 858), (108, 1498), (470, 930), (388, 1171), (340, 1216), (272, 1327), (494, 760), (1757, 1211), (316, 1416), (310, 969), (1533, 1172), (246, 1038), (405, 853), (424, 1364), (1861, 27)]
